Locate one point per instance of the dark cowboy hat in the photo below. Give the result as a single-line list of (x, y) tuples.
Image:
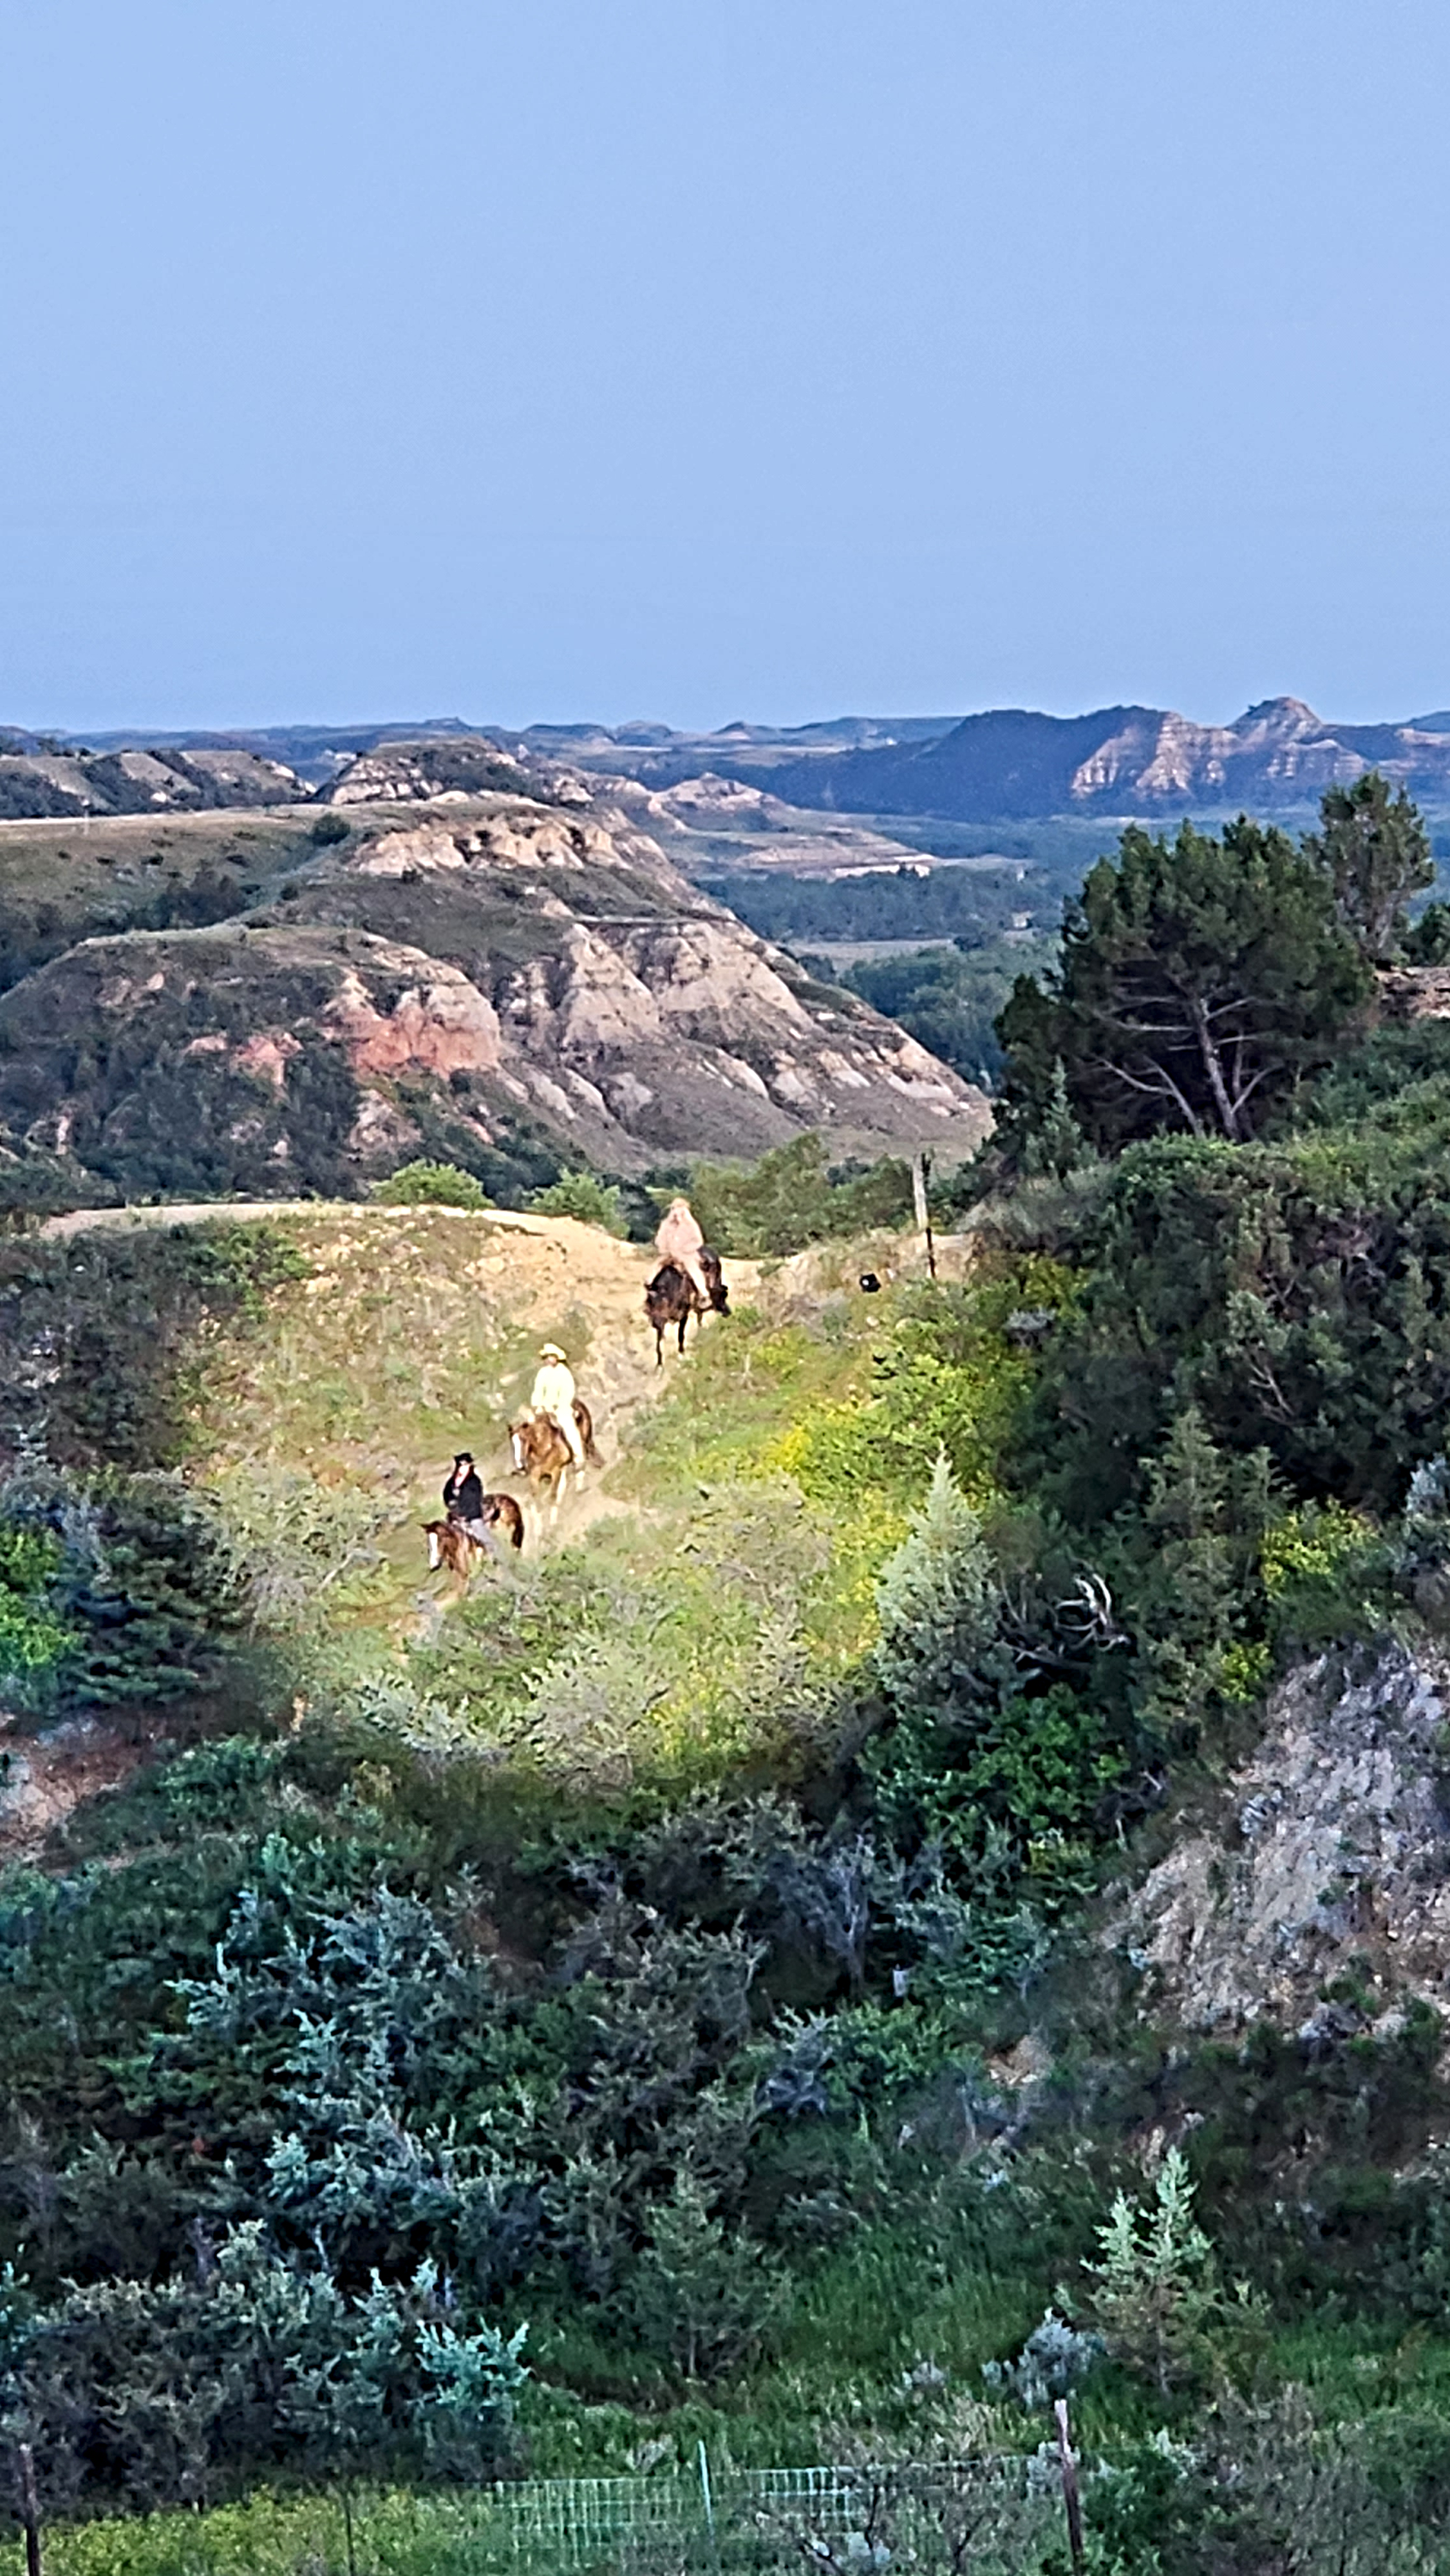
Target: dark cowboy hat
[(463, 1457)]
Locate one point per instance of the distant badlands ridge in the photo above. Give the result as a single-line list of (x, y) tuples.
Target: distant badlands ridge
[(1009, 764)]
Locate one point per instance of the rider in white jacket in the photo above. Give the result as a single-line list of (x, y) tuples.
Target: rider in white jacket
[(553, 1397)]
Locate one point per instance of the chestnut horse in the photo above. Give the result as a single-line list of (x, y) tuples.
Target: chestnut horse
[(453, 1546), (672, 1298), (542, 1453)]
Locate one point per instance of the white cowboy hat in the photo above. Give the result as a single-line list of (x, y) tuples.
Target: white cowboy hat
[(551, 1351)]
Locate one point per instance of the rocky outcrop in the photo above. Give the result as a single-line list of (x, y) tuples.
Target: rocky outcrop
[(433, 1021), (1277, 753), (1415, 992), (410, 773), (750, 782), (389, 1008), (1329, 1848), (484, 968)]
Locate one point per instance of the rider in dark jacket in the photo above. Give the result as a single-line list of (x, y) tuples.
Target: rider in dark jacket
[(463, 1493)]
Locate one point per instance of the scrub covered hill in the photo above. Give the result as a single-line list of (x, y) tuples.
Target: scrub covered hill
[(781, 1940)]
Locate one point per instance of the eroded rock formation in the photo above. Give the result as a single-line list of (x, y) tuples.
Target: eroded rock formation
[(1330, 1847), (524, 964)]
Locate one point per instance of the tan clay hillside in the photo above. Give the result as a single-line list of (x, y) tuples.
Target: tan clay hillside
[(466, 976)]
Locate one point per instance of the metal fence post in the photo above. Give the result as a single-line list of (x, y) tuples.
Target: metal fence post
[(29, 2508)]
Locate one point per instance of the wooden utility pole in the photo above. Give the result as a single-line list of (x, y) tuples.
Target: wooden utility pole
[(920, 1174), (1070, 2497), (29, 2508)]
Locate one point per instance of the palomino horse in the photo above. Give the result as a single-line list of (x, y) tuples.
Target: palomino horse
[(542, 1453), (453, 1546), (672, 1298)]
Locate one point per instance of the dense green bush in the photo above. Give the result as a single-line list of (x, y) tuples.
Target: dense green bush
[(430, 1185), (33, 1635), (35, 1185), (1298, 1295), (165, 2392), (791, 1198), (1005, 1751), (125, 1595), (585, 1196)]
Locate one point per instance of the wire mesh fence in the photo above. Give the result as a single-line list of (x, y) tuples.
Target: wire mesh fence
[(745, 2519), (987, 2515)]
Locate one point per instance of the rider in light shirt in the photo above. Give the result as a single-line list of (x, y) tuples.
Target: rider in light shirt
[(553, 1397)]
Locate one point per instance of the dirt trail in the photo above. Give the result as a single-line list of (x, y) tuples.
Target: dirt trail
[(568, 1272), (404, 1290)]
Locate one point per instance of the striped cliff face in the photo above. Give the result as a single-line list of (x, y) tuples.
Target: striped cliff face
[(472, 968)]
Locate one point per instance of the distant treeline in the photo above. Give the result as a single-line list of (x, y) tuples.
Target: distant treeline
[(951, 901), (946, 998)]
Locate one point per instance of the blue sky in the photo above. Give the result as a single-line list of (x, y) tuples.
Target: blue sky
[(716, 358)]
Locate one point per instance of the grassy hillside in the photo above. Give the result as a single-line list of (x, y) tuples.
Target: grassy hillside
[(580, 1748), (83, 877), (707, 1546)]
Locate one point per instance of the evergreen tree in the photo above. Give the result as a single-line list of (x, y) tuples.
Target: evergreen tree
[(1199, 979), (703, 2294), (1206, 1513), (1375, 852), (936, 1599), (1159, 2296)]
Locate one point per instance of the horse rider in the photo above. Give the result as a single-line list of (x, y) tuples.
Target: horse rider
[(463, 1498), (553, 1398), (679, 1240)]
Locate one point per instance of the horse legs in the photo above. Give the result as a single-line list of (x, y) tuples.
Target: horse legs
[(659, 1346)]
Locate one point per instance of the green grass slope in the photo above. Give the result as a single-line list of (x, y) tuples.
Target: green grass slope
[(709, 1548)]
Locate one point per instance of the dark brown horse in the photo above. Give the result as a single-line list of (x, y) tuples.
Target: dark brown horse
[(672, 1298), (452, 1545), (542, 1453)]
